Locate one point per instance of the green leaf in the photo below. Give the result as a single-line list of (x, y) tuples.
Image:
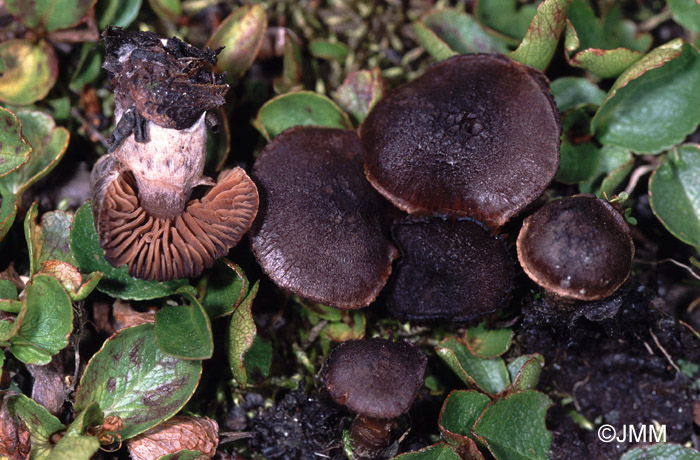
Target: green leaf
[(8, 212), (258, 359), (74, 448), (662, 451), (525, 371), (119, 13), (47, 323), (132, 378), (439, 451), (488, 375), (90, 416), (241, 334), (222, 288), (242, 34), (615, 164), (458, 415), (537, 48), (14, 150), (655, 103), (488, 343), (674, 193), (502, 16), (572, 92), (605, 63), (8, 290), (331, 51), (445, 32), (291, 66), (31, 70), (48, 142), (513, 428), (613, 180), (8, 328), (359, 92), (89, 66), (116, 282), (167, 10), (77, 285), (49, 240), (350, 327), (49, 14), (686, 13), (578, 162), (301, 108), (40, 423), (184, 331)]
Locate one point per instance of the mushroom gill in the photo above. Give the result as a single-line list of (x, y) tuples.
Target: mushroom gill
[(163, 248)]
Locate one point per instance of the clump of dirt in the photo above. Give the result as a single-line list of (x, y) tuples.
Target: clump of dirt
[(616, 361), (298, 426)]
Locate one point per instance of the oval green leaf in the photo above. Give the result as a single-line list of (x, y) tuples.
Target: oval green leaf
[(301, 108), (686, 13), (40, 423), (655, 103), (49, 142), (30, 71), (184, 331), (458, 415), (14, 150), (605, 63), (439, 451), (525, 371), (222, 288), (488, 343), (241, 334), (8, 212), (488, 375), (359, 92), (49, 240), (119, 13), (116, 282), (537, 48), (663, 451), (49, 14), (167, 10), (331, 51), (242, 34), (47, 322), (674, 193), (509, 18), (572, 92), (513, 428), (132, 378)]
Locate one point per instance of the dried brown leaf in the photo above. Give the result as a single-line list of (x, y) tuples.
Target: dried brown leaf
[(176, 434)]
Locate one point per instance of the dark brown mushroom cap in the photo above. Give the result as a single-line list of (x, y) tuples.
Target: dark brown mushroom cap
[(375, 378), (476, 134), (578, 248), (163, 248), (320, 232), (451, 269)]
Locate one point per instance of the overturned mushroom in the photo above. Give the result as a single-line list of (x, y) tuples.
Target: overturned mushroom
[(476, 134), (378, 380), (321, 230), (577, 248), (141, 190), (449, 268)]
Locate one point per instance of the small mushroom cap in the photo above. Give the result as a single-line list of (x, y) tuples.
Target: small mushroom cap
[(321, 230), (578, 248), (449, 268), (375, 378), (163, 248), (477, 134)]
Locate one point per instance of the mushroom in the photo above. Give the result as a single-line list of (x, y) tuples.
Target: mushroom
[(477, 134), (378, 380), (577, 248), (141, 190), (321, 232), (449, 268)]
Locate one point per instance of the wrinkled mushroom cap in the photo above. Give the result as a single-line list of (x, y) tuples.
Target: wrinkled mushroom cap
[(321, 230), (578, 248), (477, 134), (375, 378), (449, 268)]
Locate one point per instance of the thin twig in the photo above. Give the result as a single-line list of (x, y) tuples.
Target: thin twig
[(636, 175), (663, 350), (673, 261)]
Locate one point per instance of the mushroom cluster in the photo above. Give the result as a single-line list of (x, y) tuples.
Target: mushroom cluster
[(142, 188), (462, 149)]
